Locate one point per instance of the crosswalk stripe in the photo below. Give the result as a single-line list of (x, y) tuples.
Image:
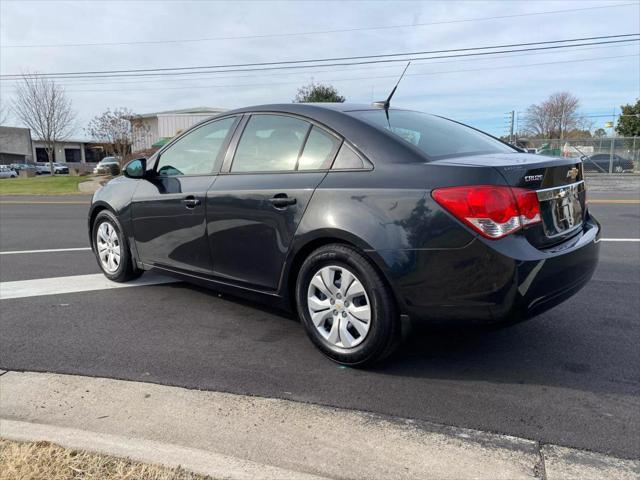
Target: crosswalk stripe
[(73, 284), (48, 250)]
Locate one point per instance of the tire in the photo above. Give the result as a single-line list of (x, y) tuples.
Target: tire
[(124, 269), (338, 341), (618, 169)]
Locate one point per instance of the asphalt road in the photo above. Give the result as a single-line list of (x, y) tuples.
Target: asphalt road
[(571, 376)]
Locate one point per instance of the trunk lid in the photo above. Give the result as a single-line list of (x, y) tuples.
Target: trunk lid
[(559, 184)]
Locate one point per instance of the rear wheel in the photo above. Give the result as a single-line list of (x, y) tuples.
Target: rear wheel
[(112, 249), (346, 307)]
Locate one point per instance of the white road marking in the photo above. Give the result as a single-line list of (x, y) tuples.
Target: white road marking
[(49, 250), (620, 239), (73, 284)]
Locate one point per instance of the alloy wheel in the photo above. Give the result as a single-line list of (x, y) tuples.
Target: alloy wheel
[(108, 247), (339, 306)]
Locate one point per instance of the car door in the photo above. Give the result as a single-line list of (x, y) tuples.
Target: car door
[(168, 207), (257, 202)]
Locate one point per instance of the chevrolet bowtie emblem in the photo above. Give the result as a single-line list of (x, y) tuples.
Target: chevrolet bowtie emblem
[(573, 173)]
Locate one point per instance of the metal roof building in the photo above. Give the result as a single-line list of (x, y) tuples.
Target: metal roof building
[(154, 129)]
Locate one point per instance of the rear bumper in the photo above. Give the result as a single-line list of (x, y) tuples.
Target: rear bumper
[(494, 281)]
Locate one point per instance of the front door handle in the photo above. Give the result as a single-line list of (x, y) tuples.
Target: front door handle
[(191, 202), (281, 200)]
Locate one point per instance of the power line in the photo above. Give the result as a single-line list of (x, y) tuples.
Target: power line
[(318, 63), (348, 69), (315, 32), (235, 85)]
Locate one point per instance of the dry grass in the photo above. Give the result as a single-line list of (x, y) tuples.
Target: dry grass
[(48, 461)]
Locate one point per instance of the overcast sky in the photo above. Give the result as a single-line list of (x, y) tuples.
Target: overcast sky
[(477, 90)]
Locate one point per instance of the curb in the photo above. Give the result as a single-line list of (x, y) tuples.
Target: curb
[(239, 436), (148, 451)]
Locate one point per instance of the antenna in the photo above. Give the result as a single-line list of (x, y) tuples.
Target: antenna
[(386, 103)]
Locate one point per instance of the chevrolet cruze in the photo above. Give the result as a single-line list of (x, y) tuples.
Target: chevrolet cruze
[(362, 220)]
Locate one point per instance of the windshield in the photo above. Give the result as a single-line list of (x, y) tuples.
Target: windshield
[(435, 136)]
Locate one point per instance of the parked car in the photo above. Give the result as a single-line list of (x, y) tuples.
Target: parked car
[(43, 169), (7, 172), (360, 219), (26, 167), (600, 163), (108, 166), (58, 168)]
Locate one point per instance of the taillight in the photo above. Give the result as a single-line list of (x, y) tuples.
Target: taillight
[(493, 211)]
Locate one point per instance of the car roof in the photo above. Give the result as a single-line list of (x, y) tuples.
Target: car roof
[(374, 142), (306, 108)]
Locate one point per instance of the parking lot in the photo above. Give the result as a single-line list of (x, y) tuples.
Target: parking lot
[(568, 377)]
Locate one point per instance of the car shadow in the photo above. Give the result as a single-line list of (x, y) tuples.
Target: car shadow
[(558, 348)]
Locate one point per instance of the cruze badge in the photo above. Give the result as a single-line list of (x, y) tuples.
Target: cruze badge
[(533, 178), (573, 173)]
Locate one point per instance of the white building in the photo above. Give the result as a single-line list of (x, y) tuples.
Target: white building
[(70, 151), (17, 146), (155, 129)]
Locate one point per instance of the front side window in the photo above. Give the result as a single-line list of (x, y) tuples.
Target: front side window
[(196, 153), (435, 136), (270, 143)]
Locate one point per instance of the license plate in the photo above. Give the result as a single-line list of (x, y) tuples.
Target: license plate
[(561, 208)]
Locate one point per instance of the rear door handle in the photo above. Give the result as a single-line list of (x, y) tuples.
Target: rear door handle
[(191, 202), (281, 200)]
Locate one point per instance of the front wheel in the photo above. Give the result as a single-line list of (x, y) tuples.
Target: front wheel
[(618, 169), (346, 306), (112, 249)]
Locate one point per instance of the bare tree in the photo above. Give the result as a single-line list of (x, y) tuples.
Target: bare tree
[(554, 117), (140, 134), (42, 105), (114, 129)]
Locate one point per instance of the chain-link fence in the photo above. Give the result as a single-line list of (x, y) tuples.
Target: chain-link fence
[(600, 155)]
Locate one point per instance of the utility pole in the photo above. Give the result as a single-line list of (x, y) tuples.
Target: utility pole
[(613, 139), (513, 117)]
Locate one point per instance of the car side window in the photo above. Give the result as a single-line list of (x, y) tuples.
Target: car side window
[(347, 159), (270, 143), (196, 152), (319, 150)]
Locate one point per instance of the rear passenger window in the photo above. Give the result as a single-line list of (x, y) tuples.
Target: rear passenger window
[(347, 159), (270, 143), (318, 151)]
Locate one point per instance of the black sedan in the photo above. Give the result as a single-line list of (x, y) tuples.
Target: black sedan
[(602, 161), (362, 220)]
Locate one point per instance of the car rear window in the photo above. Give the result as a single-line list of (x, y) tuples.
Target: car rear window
[(435, 136)]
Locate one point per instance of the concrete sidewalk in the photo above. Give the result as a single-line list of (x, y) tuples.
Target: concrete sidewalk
[(234, 436), (614, 184)]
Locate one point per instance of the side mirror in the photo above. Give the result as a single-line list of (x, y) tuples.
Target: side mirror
[(136, 168)]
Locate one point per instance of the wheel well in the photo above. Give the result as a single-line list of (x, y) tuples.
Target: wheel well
[(92, 218), (94, 214), (305, 251)]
